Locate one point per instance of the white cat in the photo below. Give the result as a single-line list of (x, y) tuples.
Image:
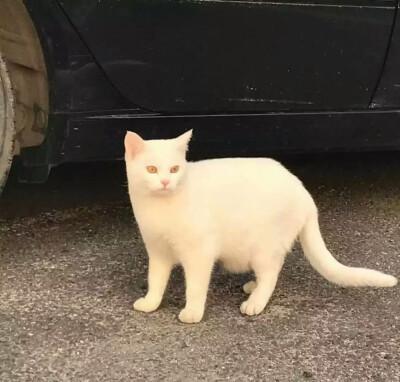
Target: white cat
[(243, 212)]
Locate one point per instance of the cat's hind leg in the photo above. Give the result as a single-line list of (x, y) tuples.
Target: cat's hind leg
[(249, 287), (266, 265)]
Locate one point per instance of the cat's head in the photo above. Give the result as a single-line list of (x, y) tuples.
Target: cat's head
[(156, 167)]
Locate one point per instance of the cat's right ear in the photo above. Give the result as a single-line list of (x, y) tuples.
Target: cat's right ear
[(183, 140), (134, 144)]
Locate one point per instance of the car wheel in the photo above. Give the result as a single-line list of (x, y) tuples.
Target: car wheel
[(7, 123)]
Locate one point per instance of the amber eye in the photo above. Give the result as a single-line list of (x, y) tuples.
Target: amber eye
[(174, 169), (152, 169)]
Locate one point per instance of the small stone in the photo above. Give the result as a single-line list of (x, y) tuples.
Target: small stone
[(307, 374)]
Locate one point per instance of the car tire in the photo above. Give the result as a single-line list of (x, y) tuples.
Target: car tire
[(7, 123)]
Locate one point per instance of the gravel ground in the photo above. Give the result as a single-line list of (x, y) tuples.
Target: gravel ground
[(72, 263)]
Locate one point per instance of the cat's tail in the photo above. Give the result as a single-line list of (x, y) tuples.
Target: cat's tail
[(323, 261)]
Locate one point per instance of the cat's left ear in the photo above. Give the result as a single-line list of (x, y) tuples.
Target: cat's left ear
[(183, 140), (134, 144)]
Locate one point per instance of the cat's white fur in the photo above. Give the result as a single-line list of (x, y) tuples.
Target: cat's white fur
[(243, 212)]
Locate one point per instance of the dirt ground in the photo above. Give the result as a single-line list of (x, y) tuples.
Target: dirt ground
[(72, 263)]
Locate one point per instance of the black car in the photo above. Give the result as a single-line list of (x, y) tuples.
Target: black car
[(251, 77)]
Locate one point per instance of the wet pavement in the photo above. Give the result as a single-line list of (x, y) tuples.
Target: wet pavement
[(72, 264)]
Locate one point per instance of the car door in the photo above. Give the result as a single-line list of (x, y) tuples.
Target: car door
[(387, 95), (221, 56)]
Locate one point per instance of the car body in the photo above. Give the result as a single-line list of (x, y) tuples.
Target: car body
[(251, 77)]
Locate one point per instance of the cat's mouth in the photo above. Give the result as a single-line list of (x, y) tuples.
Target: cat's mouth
[(164, 190)]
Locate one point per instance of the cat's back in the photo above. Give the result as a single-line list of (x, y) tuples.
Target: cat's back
[(232, 163), (240, 173), (243, 181), (246, 195)]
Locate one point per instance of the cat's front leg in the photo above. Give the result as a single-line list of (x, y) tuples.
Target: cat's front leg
[(198, 268), (160, 266)]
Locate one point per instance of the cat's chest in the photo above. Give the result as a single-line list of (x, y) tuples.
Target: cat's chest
[(159, 220)]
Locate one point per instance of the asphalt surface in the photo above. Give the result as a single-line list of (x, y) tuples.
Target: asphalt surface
[(72, 264)]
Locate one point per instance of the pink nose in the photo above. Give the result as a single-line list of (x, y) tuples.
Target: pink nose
[(165, 182)]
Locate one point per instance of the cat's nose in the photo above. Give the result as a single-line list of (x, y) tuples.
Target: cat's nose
[(165, 182)]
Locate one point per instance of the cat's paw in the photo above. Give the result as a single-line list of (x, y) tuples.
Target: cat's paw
[(249, 287), (146, 305), (190, 316), (251, 308)]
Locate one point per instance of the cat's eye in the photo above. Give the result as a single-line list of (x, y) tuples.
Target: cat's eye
[(151, 169), (174, 169)]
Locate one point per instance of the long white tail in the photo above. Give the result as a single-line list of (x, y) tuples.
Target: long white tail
[(323, 261)]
